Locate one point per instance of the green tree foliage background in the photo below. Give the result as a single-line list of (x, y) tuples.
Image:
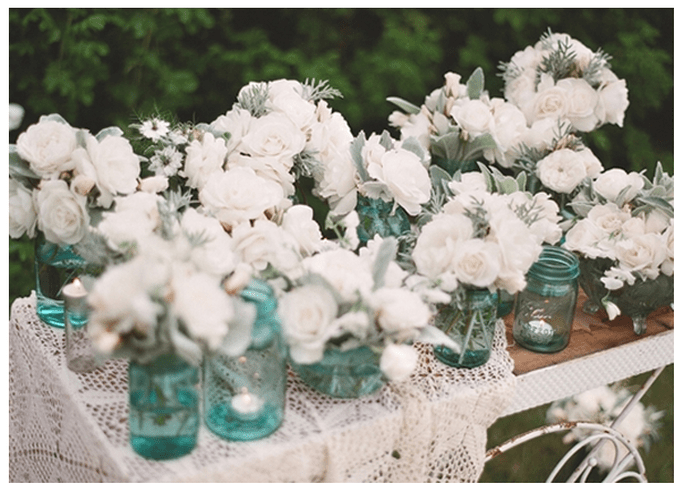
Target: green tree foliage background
[(103, 67)]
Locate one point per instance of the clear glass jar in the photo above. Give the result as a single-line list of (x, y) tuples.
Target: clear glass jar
[(244, 396), (543, 316), (470, 321)]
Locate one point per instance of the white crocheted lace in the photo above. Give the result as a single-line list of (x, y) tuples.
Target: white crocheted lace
[(72, 427)]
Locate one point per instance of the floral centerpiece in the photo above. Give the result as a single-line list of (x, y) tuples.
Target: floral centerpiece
[(624, 235), (61, 179), (355, 312)]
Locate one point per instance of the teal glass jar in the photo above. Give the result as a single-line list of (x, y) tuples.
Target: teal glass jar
[(470, 320), (244, 396), (377, 217), (343, 374), (55, 267), (164, 415), (544, 311)]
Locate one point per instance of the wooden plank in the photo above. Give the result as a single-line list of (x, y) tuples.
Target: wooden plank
[(590, 334)]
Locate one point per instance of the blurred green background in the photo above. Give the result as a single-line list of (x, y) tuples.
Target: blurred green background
[(103, 67)]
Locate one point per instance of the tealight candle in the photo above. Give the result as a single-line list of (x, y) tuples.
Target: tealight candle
[(247, 404), (79, 351)]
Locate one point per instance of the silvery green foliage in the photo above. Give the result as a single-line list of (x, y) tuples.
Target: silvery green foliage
[(254, 98), (315, 91)]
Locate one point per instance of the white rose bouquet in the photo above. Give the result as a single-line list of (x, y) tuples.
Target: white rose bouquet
[(346, 300), (61, 177), (562, 79), (624, 235), (175, 292)]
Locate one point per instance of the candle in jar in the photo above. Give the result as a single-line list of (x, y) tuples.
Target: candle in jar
[(75, 303), (246, 403)]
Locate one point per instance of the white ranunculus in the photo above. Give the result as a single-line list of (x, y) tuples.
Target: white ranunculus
[(47, 146), (436, 244), (202, 305), (476, 262), (22, 211), (608, 217), (644, 254), (215, 254), (400, 313), (582, 100), (611, 182), (398, 362), (286, 97), (235, 123), (154, 184), (273, 135), (613, 100), (299, 222), (204, 157), (308, 314), (347, 273), (62, 215), (239, 195), (405, 177), (473, 116), (561, 171)]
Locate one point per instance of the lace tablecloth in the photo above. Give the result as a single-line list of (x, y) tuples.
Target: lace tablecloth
[(67, 427)]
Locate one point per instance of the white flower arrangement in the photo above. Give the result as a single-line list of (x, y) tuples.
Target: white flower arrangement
[(603, 405), (60, 176), (627, 221), (562, 79), (346, 300), (175, 290)]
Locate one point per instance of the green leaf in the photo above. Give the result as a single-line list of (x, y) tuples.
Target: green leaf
[(413, 145), (386, 141), (18, 167), (475, 148), (386, 253), (356, 152), (109, 131), (438, 176), (405, 106), (475, 84), (508, 185)]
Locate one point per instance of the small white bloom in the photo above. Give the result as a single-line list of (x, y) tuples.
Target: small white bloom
[(166, 162), (398, 362), (154, 129)]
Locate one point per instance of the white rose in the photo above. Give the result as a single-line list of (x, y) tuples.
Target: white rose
[(204, 157), (203, 306), (62, 215), (239, 195), (273, 135), (473, 116), (113, 165), (521, 90), (541, 134), (347, 273), (401, 314), (644, 254), (398, 362), (299, 222), (509, 127), (613, 100), (406, 178), (551, 101), (476, 262), (437, 242), (47, 146), (656, 221), (581, 103), (608, 217), (394, 275), (308, 314), (134, 218), (275, 170), (154, 184), (586, 237), (468, 183), (286, 97), (418, 126), (265, 243), (235, 123), (593, 167), (561, 171), (215, 254), (611, 182), (22, 211)]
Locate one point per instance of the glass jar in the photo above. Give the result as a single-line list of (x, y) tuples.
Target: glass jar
[(244, 396), (164, 416), (343, 374), (470, 321), (55, 267), (543, 316)]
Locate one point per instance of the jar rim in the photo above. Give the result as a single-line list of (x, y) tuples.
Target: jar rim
[(555, 263)]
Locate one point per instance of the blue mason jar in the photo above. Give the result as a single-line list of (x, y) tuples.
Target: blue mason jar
[(164, 415), (244, 396), (343, 374), (470, 320), (543, 316), (55, 267)]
